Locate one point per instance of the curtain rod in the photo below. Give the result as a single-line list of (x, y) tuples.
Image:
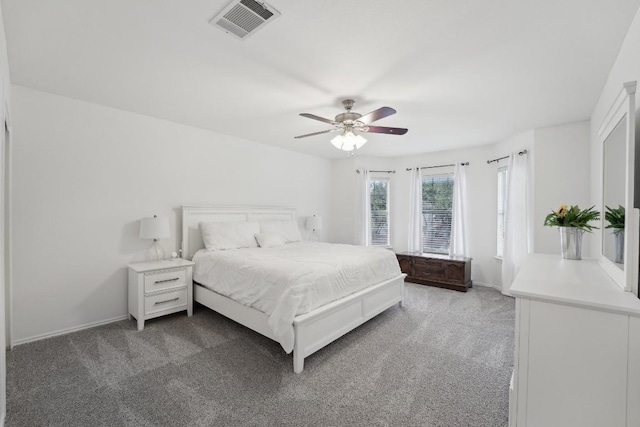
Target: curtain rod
[(520, 153), (358, 171), (440, 166)]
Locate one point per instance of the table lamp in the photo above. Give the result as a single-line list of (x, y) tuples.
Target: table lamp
[(154, 228)]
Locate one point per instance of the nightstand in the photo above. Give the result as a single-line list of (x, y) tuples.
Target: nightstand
[(157, 288)]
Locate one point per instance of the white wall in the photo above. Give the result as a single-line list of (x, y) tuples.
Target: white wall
[(84, 176), (341, 226), (343, 194), (562, 177), (81, 167), (626, 68), (482, 193), (482, 182), (559, 162), (5, 82)]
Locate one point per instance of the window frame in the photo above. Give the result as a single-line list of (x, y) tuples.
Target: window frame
[(502, 179), (381, 177), (426, 173)]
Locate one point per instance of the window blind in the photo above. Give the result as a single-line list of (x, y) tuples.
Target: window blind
[(380, 211), (437, 204)]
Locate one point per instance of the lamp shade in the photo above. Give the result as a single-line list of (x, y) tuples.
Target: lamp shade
[(348, 141), (314, 223), (154, 228)]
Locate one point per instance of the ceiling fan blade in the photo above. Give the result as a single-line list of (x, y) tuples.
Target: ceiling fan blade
[(387, 130), (314, 117), (378, 114), (314, 133)]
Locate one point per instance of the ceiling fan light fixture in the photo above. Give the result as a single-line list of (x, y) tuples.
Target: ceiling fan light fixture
[(349, 122), (348, 141), (360, 141), (337, 142)]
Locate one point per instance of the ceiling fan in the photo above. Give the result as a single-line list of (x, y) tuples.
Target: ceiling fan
[(350, 124)]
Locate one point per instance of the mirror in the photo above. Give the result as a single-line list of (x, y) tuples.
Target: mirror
[(613, 185), (619, 254)]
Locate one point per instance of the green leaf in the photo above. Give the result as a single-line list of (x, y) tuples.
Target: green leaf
[(573, 217)]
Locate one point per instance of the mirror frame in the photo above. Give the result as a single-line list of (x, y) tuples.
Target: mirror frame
[(623, 107)]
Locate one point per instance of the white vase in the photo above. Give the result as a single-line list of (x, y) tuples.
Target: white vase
[(571, 242), (619, 239)]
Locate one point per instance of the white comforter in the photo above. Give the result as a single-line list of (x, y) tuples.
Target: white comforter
[(293, 279)]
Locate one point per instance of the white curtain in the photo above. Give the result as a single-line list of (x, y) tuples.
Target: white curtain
[(363, 208), (459, 241), (415, 211), (516, 236)]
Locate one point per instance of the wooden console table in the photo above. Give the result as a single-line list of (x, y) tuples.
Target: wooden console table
[(436, 270)]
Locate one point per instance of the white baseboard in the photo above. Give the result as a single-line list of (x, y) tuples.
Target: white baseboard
[(487, 285), (490, 285), (68, 330), (2, 415)]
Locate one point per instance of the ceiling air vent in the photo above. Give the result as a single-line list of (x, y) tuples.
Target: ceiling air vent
[(244, 17)]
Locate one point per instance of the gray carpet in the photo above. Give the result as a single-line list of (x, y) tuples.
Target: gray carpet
[(444, 359)]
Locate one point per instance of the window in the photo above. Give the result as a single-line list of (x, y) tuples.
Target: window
[(437, 204), (380, 212), (502, 206)]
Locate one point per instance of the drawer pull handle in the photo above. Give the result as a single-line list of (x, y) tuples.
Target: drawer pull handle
[(164, 302), (167, 280)]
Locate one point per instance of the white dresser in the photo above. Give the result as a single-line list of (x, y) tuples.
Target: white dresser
[(577, 355)]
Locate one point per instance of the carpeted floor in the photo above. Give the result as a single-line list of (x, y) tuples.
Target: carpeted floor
[(445, 359)]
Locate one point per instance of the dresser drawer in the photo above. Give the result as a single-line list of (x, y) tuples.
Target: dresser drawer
[(165, 301), (428, 269), (164, 279)]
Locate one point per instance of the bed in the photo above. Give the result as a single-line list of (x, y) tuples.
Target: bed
[(310, 331)]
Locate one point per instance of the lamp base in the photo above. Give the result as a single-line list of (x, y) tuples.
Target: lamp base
[(313, 237), (155, 252)]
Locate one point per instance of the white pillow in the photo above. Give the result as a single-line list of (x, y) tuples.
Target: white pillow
[(229, 235), (270, 240), (287, 229)]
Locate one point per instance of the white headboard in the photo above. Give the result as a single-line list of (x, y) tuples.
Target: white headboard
[(192, 216)]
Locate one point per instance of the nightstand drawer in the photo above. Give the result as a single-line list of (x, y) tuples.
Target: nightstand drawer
[(165, 301), (164, 279)]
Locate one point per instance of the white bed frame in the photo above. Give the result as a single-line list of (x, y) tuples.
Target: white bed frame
[(312, 330)]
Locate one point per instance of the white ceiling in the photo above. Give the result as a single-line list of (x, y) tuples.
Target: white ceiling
[(459, 72)]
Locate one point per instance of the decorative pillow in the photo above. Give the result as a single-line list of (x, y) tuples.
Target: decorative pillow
[(287, 229), (229, 235), (270, 240)]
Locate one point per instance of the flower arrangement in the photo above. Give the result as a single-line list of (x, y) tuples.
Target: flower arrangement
[(615, 217), (572, 217)]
